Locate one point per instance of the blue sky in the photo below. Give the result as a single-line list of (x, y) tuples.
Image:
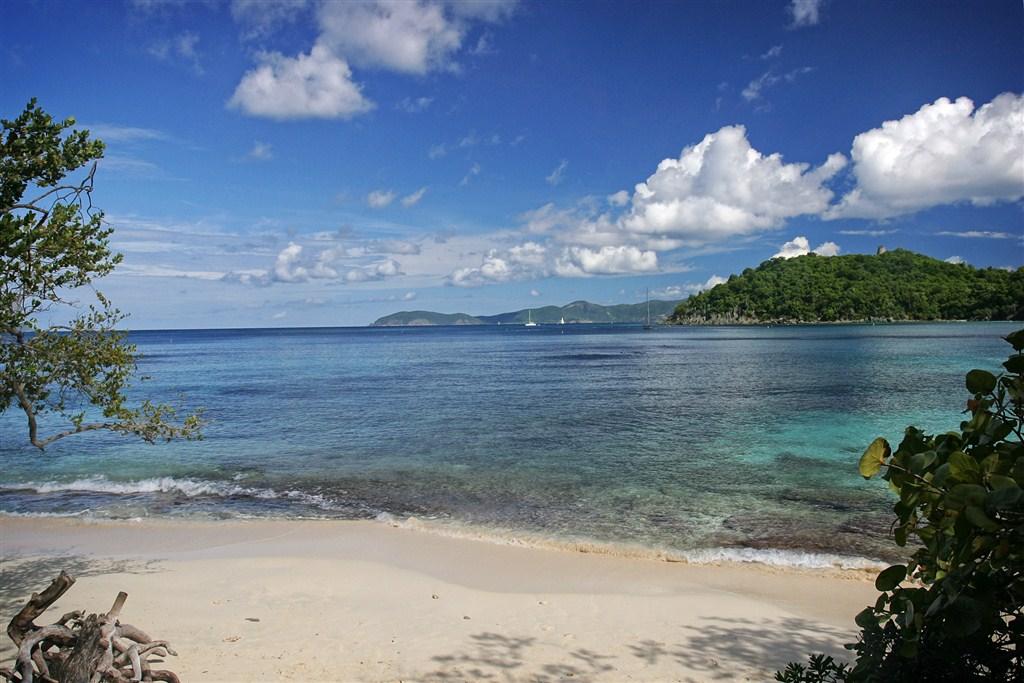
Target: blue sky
[(307, 163)]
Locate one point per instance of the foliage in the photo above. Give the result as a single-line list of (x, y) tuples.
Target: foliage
[(819, 669), (50, 246), (895, 285), (953, 611)]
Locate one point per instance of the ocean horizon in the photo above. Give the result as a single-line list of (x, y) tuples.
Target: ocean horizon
[(695, 443)]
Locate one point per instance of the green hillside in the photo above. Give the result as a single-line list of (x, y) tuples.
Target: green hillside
[(420, 318), (895, 285), (576, 312)]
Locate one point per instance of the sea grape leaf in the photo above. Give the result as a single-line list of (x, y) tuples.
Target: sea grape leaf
[(1015, 364), (963, 467), (874, 457), (891, 577), (980, 381)]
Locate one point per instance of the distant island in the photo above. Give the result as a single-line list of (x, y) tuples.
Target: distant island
[(898, 285), (576, 312)]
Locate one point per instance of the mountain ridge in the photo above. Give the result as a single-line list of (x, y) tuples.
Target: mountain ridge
[(576, 312)]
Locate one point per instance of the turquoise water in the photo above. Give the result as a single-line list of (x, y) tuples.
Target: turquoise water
[(702, 442)]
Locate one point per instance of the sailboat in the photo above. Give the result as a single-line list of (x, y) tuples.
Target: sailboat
[(647, 325), (529, 320)]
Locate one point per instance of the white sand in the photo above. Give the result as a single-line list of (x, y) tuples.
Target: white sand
[(355, 601)]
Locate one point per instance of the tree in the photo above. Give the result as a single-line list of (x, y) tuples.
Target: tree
[(955, 610), (53, 245)]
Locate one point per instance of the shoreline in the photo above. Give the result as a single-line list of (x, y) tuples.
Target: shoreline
[(366, 601), (790, 558)]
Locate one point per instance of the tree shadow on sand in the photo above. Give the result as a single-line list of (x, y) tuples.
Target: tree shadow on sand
[(20, 577), (719, 649)]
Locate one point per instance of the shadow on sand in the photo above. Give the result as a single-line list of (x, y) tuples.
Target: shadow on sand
[(718, 650), (20, 577)]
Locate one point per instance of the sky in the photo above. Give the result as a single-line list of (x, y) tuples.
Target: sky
[(300, 163)]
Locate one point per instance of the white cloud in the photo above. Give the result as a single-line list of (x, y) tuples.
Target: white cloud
[(408, 296), (954, 259), (182, 46), (556, 176), (534, 292), (756, 88), (114, 133), (317, 85), (620, 198), (608, 260), (772, 52), (799, 246), (685, 290), (410, 37), (133, 270), (261, 18), (474, 170), (723, 187), (867, 233), (437, 151), (980, 234), (413, 105), (805, 12), (261, 151), (946, 152), (414, 198), (294, 265), (378, 199)]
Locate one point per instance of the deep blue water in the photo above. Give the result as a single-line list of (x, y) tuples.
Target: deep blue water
[(688, 439)]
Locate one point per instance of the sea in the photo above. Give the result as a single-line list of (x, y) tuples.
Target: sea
[(699, 444)]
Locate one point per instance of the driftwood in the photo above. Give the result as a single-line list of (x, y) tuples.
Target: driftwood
[(96, 648)]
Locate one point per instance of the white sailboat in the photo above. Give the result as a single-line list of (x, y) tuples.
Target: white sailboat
[(529, 320), (647, 325)]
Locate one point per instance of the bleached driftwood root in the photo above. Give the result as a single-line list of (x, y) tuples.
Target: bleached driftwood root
[(96, 648)]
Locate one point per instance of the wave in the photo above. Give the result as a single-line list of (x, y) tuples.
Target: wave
[(194, 489), (772, 557), (189, 488)]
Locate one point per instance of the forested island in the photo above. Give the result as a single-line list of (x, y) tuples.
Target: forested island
[(898, 285), (576, 312)]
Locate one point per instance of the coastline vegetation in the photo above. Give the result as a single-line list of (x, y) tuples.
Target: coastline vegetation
[(897, 285), (54, 243), (955, 610)]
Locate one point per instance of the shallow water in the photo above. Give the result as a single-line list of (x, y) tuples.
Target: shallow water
[(689, 440)]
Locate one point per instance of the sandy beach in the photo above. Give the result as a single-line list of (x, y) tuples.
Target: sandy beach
[(364, 601)]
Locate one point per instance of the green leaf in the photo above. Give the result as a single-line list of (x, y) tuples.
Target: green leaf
[(1004, 498), (874, 457), (963, 495), (866, 618), (976, 516), (964, 467), (1015, 364), (980, 381), (891, 577), (1016, 340)]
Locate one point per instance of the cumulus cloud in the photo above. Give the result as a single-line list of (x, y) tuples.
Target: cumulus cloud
[(378, 199), (314, 85), (294, 264), (620, 198), (944, 153), (408, 296), (805, 12), (681, 291), (723, 187), (556, 176), (608, 260), (414, 198), (534, 292), (800, 246)]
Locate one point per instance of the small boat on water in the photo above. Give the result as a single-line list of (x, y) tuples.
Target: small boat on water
[(562, 321), (529, 320)]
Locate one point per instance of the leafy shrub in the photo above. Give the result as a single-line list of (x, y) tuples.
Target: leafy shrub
[(953, 611)]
